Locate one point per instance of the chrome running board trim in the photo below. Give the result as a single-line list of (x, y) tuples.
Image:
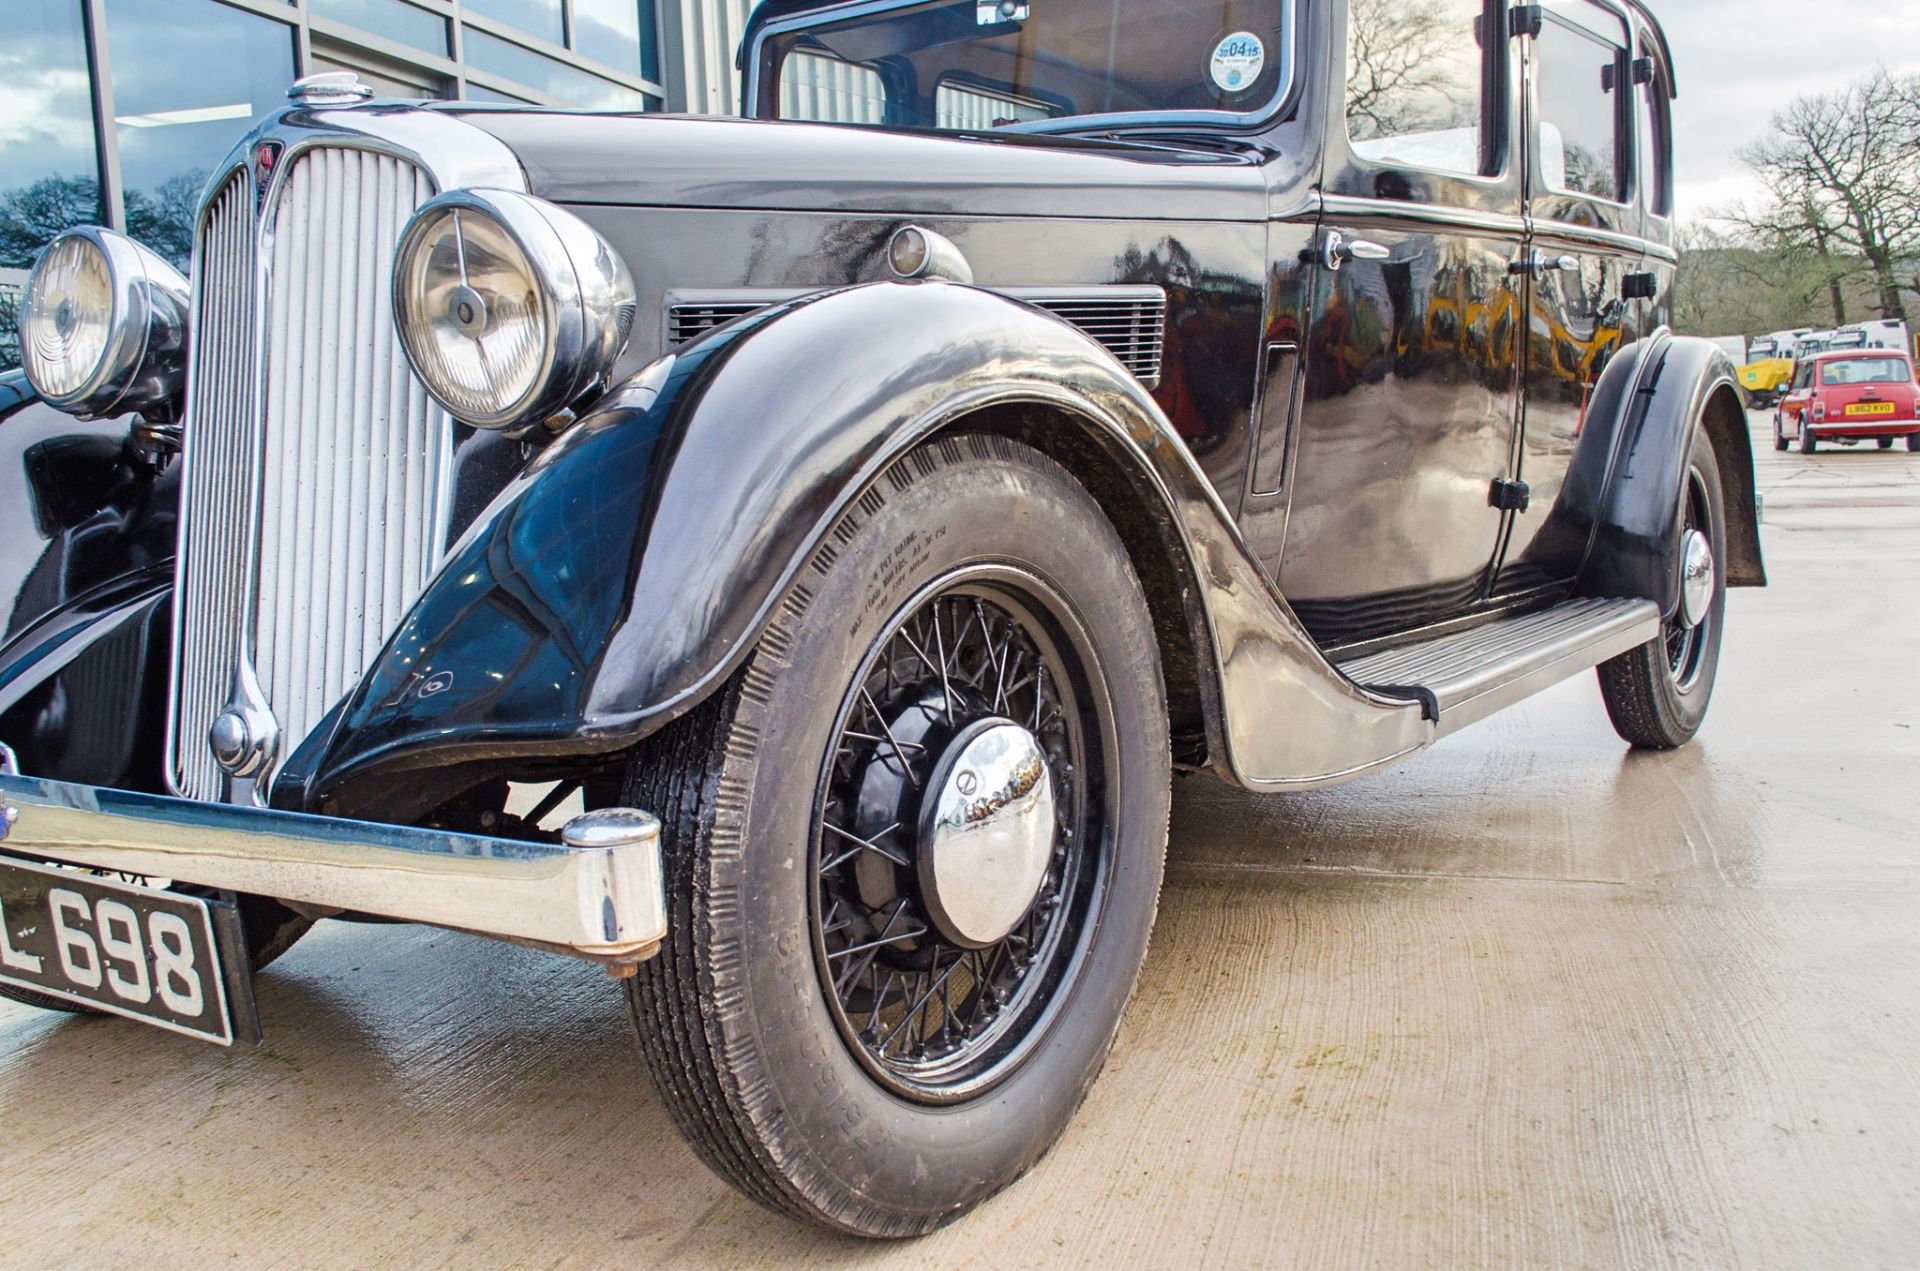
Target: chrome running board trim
[(1468, 675)]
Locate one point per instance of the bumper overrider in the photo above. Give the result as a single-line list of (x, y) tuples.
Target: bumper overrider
[(595, 895)]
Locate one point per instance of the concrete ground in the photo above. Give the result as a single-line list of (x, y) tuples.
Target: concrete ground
[(1530, 1000)]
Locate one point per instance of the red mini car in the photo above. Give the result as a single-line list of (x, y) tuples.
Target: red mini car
[(1863, 395)]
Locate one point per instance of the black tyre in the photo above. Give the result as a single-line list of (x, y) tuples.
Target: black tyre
[(834, 1024), (1657, 694), (1886, 443), (1808, 443), (1913, 442), (1779, 437), (271, 929)]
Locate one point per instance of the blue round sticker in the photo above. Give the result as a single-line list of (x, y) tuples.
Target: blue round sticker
[(1237, 61)]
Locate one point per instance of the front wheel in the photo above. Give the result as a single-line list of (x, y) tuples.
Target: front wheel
[(1657, 694), (1779, 436), (913, 851)]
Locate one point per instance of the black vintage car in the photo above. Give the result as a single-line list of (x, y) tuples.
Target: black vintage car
[(786, 559)]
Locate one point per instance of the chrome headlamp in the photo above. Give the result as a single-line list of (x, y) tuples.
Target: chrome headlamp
[(103, 325), (509, 308)]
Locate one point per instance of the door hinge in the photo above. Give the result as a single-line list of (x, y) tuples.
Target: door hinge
[(1526, 19), (1639, 287), (1510, 496)]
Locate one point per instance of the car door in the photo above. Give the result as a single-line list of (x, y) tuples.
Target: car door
[(1404, 412), (1584, 244)]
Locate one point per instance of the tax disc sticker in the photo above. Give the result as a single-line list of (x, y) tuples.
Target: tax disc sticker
[(1237, 61)]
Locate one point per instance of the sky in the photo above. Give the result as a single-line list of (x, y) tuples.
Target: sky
[(1738, 61)]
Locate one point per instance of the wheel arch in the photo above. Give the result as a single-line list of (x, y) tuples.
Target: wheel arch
[(1147, 528), (1675, 388)]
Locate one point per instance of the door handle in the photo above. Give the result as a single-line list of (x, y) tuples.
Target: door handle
[(1539, 265), (1338, 249)]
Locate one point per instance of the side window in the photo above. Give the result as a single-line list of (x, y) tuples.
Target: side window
[(1417, 76), (829, 91), (1655, 113), (1581, 66), (1803, 378)]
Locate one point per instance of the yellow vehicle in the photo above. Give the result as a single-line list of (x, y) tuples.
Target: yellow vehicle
[(1769, 366)]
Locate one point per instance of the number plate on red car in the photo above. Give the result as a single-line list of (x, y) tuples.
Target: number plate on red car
[(156, 956), (1870, 408)]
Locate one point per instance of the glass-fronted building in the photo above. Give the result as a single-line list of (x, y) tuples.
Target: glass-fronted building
[(115, 111)]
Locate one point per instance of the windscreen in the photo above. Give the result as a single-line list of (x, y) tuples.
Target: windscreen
[(1035, 64), (1762, 349), (1866, 370)]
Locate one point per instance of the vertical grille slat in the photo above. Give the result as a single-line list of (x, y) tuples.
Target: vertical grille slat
[(338, 466), (214, 496)]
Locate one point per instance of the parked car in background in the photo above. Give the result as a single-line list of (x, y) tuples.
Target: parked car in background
[(784, 560), (1851, 396)]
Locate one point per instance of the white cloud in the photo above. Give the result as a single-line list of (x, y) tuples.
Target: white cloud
[(1738, 61)]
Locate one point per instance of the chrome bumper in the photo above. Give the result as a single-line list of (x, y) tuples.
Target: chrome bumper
[(594, 895)]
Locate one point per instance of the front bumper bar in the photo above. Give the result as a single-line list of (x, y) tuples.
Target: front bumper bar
[(595, 895)]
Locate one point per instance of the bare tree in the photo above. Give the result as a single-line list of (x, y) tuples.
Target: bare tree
[(1843, 172), (1402, 75)]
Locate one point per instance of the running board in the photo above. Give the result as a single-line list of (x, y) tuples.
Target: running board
[(1468, 675)]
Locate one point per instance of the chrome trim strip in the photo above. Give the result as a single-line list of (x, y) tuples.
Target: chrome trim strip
[(1337, 207), (601, 902), (1289, 37), (1590, 236)]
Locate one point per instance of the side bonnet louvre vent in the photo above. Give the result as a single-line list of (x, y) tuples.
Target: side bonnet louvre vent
[(1129, 321)]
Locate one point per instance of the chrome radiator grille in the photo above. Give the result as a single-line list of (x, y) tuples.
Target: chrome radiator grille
[(313, 509)]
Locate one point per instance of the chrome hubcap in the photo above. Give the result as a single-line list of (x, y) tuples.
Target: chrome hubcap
[(987, 834), (1696, 578)]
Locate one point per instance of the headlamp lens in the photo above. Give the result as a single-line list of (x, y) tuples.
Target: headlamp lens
[(472, 313), (68, 317)]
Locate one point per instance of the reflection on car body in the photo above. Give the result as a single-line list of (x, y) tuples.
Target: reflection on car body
[(624, 534)]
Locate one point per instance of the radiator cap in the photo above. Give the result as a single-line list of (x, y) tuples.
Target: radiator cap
[(328, 88)]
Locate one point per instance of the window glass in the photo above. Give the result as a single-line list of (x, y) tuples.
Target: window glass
[(401, 23), (1061, 59), (974, 108), (1656, 143), (174, 125), (49, 166), (1416, 83), (620, 33), (475, 93), (1866, 370), (386, 78), (826, 89), (1762, 349), (1581, 73), (566, 83), (1803, 375), (535, 17)]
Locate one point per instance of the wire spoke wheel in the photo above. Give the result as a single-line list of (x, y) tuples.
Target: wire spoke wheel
[(933, 1010)]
